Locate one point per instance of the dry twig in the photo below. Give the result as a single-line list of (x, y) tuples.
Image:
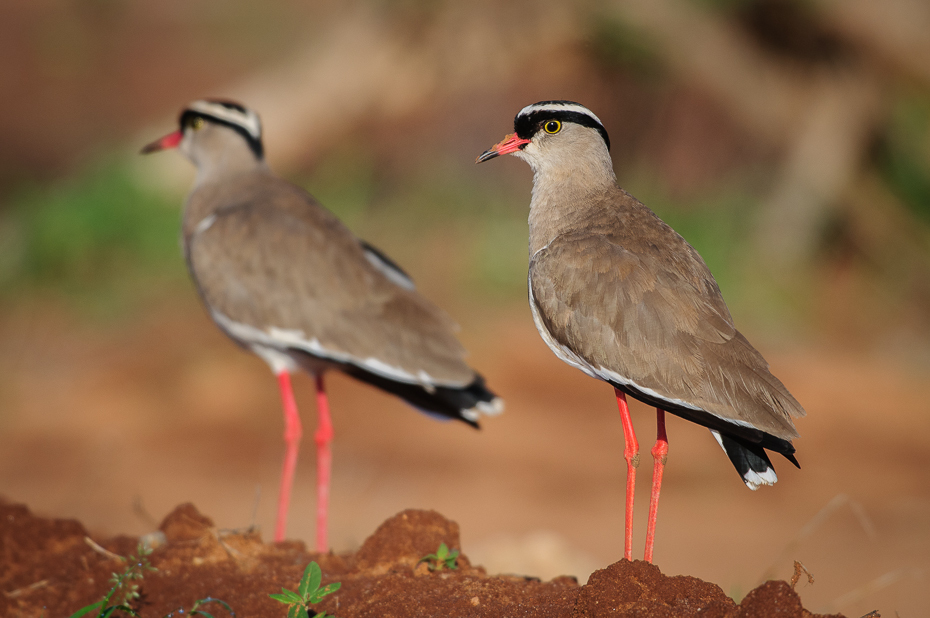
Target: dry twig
[(798, 569), (836, 503), (232, 551), (14, 594), (879, 583), (102, 550)]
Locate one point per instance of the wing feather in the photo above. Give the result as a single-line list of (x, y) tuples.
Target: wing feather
[(272, 258), (658, 322)]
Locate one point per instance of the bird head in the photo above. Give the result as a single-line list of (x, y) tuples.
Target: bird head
[(555, 134), (213, 132)]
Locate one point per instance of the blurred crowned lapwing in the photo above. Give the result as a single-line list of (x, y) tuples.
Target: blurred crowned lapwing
[(285, 279), (617, 293)]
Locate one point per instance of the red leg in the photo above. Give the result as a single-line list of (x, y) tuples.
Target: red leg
[(323, 436), (631, 454), (292, 434), (660, 455)]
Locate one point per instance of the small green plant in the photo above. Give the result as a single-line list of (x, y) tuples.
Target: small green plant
[(124, 591), (444, 557), (308, 592)]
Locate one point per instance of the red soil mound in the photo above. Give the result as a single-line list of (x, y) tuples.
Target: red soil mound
[(48, 569)]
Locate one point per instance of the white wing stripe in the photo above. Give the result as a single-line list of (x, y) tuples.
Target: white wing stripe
[(277, 339), (205, 224), (395, 276)]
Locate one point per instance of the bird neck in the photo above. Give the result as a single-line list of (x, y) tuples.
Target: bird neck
[(563, 200), (226, 165), (222, 191)]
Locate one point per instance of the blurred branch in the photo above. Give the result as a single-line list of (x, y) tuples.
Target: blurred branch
[(884, 230), (766, 96), (879, 583), (822, 116), (895, 30), (371, 67), (814, 524), (825, 155)]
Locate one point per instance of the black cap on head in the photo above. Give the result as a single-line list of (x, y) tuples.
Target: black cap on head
[(532, 117), (230, 114)]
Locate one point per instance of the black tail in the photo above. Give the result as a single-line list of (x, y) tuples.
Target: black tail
[(751, 461), (464, 403), (745, 446)]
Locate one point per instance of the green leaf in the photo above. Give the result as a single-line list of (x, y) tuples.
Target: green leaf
[(87, 609), (286, 596), (225, 605), (450, 559), (322, 592), (279, 597), (311, 579), (443, 551), (297, 611)]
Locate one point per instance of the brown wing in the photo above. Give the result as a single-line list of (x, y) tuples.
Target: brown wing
[(657, 320), (274, 260)]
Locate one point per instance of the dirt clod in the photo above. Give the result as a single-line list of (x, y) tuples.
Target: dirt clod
[(407, 537), (185, 523), (774, 598), (639, 589)]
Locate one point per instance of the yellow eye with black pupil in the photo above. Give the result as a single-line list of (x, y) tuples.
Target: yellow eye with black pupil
[(553, 126), (197, 123)]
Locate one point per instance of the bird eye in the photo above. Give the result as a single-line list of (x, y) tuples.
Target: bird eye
[(553, 126), (196, 123)]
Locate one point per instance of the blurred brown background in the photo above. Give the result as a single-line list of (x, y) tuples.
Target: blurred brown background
[(787, 140)]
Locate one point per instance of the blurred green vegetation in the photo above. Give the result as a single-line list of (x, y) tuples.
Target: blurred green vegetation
[(102, 241), (432, 217), (716, 225), (345, 182), (720, 224), (438, 218), (94, 239), (903, 153), (618, 44)]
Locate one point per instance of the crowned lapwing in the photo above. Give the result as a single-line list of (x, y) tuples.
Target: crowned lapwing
[(617, 293), (285, 279)]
